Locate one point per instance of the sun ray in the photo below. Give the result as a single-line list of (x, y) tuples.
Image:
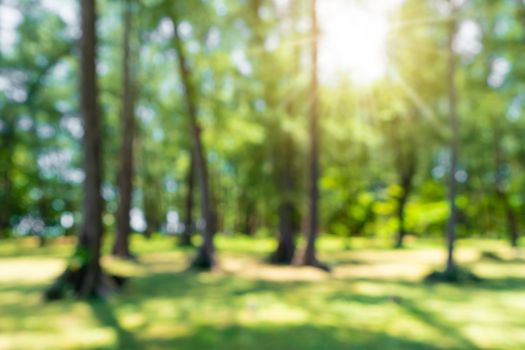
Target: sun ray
[(403, 43), (412, 94)]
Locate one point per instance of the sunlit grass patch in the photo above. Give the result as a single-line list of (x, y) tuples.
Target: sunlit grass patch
[(373, 299)]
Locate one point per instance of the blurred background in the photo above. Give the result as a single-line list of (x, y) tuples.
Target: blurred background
[(327, 164)]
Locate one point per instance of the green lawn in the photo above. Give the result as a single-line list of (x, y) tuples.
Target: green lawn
[(373, 299)]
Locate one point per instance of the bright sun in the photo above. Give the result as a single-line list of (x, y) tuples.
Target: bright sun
[(353, 39)]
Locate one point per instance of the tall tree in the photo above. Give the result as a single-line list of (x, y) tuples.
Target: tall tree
[(84, 274), (286, 168), (126, 172), (450, 269), (205, 258), (186, 236), (406, 167), (312, 227), (500, 187), (285, 252)]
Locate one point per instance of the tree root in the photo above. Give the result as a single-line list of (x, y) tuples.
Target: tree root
[(282, 256), (76, 283), (316, 263), (203, 261), (455, 275)]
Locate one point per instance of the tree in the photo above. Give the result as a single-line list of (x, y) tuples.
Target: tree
[(126, 172), (309, 256), (450, 269), (285, 252), (205, 258), (500, 187), (84, 275), (405, 162), (186, 236)]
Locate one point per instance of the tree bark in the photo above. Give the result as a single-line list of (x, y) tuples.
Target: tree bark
[(205, 258), (502, 194), (84, 274), (189, 226), (125, 178), (154, 208), (454, 147), (406, 182), (285, 252), (309, 257), (5, 164), (6, 184), (249, 225), (510, 216)]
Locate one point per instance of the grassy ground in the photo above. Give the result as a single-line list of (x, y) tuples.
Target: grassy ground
[(373, 299)]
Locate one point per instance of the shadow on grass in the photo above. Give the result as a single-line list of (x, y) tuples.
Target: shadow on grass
[(446, 330), (196, 285), (285, 337), (493, 284), (229, 289), (104, 313), (260, 336), (427, 317), (493, 257), (502, 284), (347, 261)]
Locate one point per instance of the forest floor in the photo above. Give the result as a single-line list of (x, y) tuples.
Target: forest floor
[(373, 299)]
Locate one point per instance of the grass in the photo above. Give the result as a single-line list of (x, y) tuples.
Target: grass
[(373, 299)]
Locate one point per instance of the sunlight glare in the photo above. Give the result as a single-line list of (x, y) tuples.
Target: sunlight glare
[(353, 39)]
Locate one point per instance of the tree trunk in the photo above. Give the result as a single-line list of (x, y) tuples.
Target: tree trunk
[(510, 216), (154, 208), (454, 149), (309, 257), (125, 179), (401, 232), (205, 258), (406, 181), (284, 254), (285, 251), (502, 194), (84, 274), (250, 220), (6, 184), (189, 227)]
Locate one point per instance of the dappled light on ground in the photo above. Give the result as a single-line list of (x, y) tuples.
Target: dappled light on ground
[(373, 299)]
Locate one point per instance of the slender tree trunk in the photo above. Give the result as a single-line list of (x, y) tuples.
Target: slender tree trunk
[(510, 214), (84, 274), (285, 252), (205, 258), (125, 179), (406, 182), (246, 220), (401, 232), (5, 156), (312, 227), (6, 184), (189, 228), (154, 208), (249, 220), (454, 149), (6, 143)]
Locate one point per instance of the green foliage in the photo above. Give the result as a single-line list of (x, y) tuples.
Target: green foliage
[(249, 61)]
